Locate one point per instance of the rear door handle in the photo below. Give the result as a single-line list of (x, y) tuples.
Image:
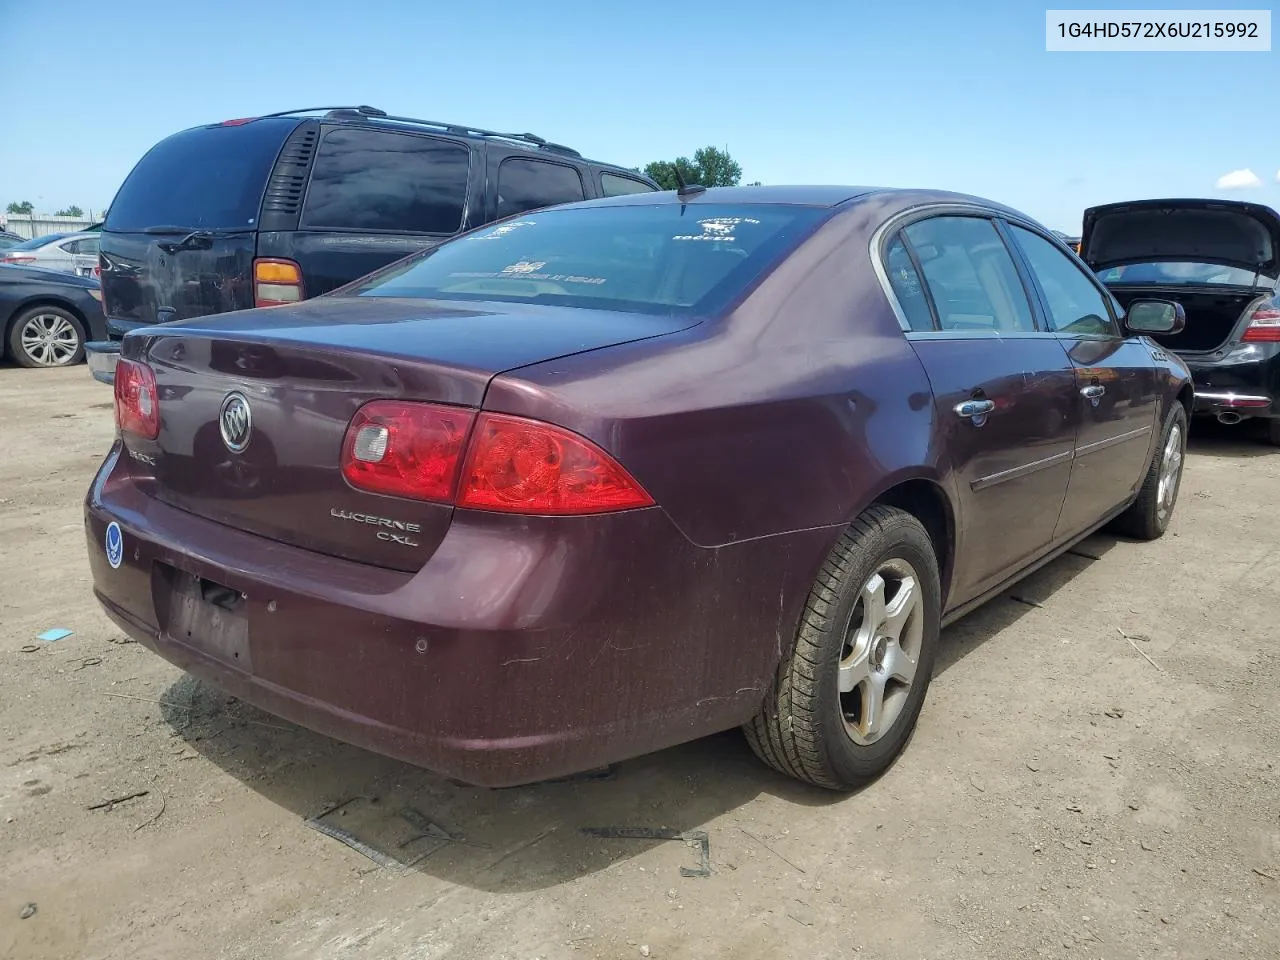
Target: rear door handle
[(1093, 391), (974, 409)]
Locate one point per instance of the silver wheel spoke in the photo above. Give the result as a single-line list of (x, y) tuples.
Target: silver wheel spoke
[(899, 610), (872, 707), (873, 606), (853, 671), (900, 665)]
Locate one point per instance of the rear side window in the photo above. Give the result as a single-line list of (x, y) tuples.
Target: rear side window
[(905, 280), (613, 185), (1075, 305), (377, 180), (530, 184), (209, 178), (970, 275)]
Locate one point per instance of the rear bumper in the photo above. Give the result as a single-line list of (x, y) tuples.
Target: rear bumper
[(521, 651), (101, 356), (1246, 381)]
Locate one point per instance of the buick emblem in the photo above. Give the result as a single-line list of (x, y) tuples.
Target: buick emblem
[(235, 422)]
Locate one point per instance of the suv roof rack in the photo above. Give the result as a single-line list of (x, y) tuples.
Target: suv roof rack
[(458, 129)]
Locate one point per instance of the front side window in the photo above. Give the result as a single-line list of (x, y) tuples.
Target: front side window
[(666, 258), (531, 184), (613, 185), (379, 180), (1074, 303), (970, 275)]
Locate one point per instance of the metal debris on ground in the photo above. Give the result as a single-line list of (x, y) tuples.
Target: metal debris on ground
[(374, 831), (109, 805), (159, 814), (121, 640), (655, 833), (28, 911), (30, 648), (88, 662)]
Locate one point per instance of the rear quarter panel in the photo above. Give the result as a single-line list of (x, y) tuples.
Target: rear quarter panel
[(793, 412)]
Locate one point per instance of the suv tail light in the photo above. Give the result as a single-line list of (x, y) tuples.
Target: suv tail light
[(137, 405), (276, 282), (1264, 323), (483, 461)]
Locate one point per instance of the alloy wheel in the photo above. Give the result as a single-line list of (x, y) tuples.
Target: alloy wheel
[(881, 650), (49, 339)]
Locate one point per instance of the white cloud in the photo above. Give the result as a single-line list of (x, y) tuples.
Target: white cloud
[(1278, 176), (1239, 180)]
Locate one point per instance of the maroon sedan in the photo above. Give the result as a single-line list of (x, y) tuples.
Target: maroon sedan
[(608, 477)]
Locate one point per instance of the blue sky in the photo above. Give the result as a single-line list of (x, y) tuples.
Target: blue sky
[(952, 95)]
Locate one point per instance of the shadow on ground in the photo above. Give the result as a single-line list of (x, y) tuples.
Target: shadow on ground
[(529, 838), (1242, 440)]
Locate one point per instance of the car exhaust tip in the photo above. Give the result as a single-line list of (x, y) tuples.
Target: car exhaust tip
[(1229, 417)]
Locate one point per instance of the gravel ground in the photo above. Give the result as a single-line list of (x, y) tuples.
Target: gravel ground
[(1093, 776)]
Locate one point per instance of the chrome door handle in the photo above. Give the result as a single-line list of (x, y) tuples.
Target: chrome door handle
[(972, 409), (1093, 391)]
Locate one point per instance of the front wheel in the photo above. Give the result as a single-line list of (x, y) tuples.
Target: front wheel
[(46, 337), (1148, 517), (847, 698)]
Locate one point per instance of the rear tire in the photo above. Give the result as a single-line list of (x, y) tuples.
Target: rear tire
[(46, 337), (846, 700), (1148, 517)]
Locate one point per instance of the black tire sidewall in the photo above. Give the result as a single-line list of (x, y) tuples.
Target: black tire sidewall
[(904, 538), (20, 357)]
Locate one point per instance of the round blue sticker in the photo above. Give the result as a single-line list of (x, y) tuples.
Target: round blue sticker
[(115, 545)]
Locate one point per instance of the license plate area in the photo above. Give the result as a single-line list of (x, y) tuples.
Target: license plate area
[(203, 614)]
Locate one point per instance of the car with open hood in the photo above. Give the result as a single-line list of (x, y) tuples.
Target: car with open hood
[(602, 478), (1220, 260)]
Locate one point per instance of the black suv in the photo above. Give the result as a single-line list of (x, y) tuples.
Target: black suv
[(273, 209)]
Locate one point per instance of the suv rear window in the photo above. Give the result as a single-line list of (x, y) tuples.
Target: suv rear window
[(209, 178), (381, 180), (665, 258)]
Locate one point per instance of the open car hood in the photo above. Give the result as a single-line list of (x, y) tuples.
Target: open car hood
[(1228, 232)]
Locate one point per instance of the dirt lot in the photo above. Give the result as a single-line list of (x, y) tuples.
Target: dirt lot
[(1069, 793)]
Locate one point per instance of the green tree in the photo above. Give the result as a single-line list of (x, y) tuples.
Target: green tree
[(710, 166), (71, 211), (26, 206)]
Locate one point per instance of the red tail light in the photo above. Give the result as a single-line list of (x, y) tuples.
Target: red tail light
[(406, 449), (509, 464), (276, 282), (1264, 324), (137, 405), (17, 259), (522, 466)]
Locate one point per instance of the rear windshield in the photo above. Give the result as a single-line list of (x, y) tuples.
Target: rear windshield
[(1176, 273), (666, 258), (209, 178), (38, 242)]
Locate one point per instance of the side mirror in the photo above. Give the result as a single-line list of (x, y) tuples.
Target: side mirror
[(1155, 316)]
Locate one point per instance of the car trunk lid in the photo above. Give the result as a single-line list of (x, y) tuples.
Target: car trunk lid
[(1213, 315), (304, 372), (1232, 233)]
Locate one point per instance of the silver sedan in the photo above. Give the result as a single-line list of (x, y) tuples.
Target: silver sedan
[(65, 252)]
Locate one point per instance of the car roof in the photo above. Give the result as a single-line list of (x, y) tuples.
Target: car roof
[(893, 200), (372, 117)]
